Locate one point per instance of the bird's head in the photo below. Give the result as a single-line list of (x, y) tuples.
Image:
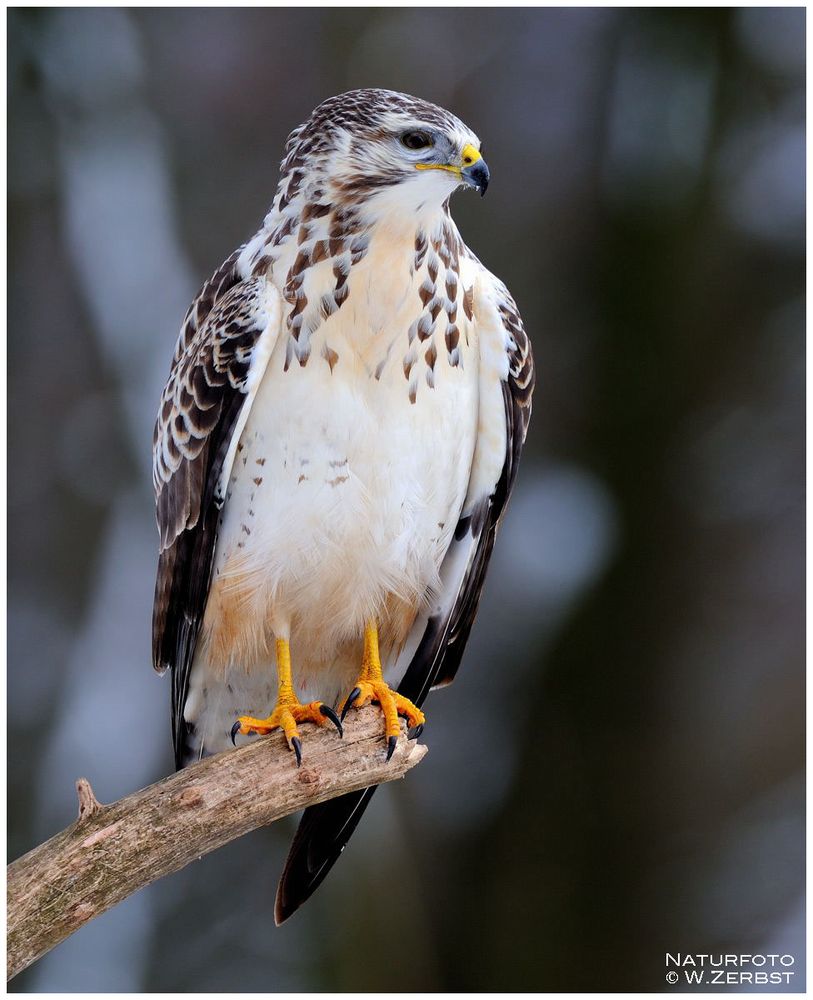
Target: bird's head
[(387, 150)]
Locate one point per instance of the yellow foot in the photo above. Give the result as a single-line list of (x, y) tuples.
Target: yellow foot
[(285, 717), (392, 705)]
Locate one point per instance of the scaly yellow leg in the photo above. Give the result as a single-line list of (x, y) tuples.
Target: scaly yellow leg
[(288, 710), (371, 686)]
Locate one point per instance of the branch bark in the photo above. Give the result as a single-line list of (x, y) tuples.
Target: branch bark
[(113, 850)]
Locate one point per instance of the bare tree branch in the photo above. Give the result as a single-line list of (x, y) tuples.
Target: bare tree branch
[(112, 851)]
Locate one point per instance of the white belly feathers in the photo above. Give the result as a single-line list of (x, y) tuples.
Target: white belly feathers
[(347, 485), (343, 495)]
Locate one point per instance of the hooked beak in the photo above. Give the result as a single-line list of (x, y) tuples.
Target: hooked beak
[(472, 170), (477, 176)]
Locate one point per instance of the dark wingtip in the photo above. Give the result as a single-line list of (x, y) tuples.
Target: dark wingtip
[(323, 832), (281, 913)]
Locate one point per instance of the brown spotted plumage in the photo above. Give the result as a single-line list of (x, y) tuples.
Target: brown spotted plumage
[(337, 439)]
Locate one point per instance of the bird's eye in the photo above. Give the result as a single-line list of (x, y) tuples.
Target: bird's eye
[(416, 140)]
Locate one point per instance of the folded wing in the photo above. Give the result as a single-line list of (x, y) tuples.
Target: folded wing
[(224, 347)]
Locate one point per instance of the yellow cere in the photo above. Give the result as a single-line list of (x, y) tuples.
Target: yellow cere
[(469, 156)]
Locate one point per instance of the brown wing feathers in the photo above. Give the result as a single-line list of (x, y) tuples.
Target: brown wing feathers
[(200, 409)]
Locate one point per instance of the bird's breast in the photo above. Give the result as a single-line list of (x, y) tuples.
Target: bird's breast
[(345, 491)]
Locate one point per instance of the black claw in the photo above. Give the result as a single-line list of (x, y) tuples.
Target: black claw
[(355, 693), (296, 743), (235, 729), (392, 743), (415, 732), (330, 714)]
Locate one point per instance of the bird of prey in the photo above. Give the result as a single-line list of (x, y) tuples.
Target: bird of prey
[(334, 450)]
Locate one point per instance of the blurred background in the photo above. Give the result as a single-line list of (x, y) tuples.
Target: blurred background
[(618, 770)]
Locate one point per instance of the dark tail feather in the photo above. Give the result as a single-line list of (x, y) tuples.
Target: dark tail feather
[(325, 829), (322, 836)]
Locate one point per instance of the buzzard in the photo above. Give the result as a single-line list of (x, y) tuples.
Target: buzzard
[(334, 450)]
